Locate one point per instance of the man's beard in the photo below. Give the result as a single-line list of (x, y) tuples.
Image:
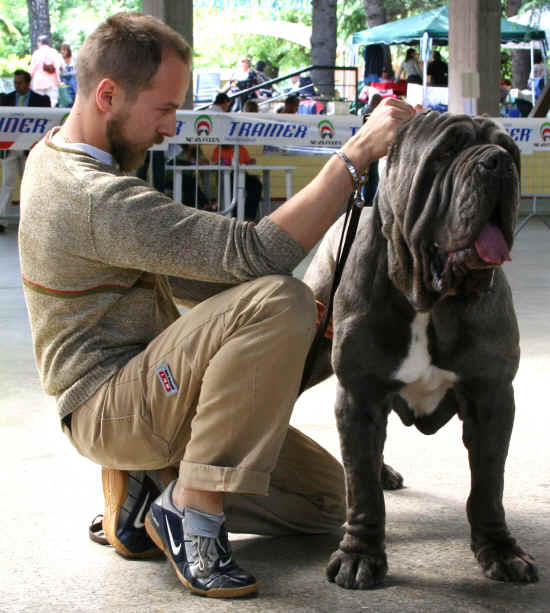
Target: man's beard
[(128, 157)]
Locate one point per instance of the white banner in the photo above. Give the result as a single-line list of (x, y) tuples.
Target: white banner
[(20, 128)]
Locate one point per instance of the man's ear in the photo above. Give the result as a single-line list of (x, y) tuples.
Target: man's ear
[(108, 96)]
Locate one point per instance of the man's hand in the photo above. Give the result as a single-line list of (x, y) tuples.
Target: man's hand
[(371, 142)]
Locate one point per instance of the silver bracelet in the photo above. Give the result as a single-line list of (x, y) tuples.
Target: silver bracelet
[(358, 179)]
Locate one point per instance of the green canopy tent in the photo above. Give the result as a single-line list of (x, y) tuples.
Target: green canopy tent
[(432, 27), (435, 24)]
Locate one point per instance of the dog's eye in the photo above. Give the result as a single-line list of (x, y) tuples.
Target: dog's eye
[(446, 156)]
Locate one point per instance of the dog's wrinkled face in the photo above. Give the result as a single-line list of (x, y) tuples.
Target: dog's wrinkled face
[(449, 204)]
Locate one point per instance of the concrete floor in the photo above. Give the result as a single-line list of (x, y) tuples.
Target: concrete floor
[(50, 494)]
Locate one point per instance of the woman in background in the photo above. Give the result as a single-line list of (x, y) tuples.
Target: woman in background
[(410, 68)]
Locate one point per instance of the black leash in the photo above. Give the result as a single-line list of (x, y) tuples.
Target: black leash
[(361, 198)]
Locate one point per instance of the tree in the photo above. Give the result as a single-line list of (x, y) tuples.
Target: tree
[(323, 44), (39, 20)]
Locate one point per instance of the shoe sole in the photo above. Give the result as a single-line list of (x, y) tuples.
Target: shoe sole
[(115, 483), (213, 593)]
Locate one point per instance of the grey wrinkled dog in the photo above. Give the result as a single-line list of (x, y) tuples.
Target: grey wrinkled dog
[(424, 324)]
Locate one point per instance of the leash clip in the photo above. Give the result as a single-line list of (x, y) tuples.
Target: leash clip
[(358, 197)]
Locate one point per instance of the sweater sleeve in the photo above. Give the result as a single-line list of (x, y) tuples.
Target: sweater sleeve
[(134, 226)]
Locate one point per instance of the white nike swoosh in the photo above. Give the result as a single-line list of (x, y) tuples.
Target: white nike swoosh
[(222, 564), (140, 517), (175, 550)]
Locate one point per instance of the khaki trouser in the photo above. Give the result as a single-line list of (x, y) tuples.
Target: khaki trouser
[(214, 393)]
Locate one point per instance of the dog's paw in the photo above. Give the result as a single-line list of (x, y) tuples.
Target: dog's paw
[(507, 562), (391, 479), (356, 571)]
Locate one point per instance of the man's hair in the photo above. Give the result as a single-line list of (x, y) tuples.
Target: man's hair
[(221, 98), (44, 39), (292, 99), (22, 73), (127, 48)]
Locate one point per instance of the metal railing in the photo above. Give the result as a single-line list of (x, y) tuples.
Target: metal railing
[(250, 90)]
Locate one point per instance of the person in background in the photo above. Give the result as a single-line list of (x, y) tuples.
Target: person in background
[(410, 68), (222, 103), (291, 105), (264, 92), (251, 106), (45, 68), (438, 71), (67, 75), (537, 77), (154, 159), (242, 78), (14, 160)]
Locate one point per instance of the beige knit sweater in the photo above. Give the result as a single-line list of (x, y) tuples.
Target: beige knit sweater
[(97, 252)]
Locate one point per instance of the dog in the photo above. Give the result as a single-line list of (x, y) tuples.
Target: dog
[(424, 325)]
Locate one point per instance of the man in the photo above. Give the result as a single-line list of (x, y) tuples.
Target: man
[(222, 103), (45, 66), (291, 105), (142, 389), (14, 161)]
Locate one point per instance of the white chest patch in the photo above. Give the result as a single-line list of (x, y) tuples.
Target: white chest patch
[(425, 384)]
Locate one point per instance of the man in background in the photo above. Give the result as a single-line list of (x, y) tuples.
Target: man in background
[(45, 70), (14, 161)]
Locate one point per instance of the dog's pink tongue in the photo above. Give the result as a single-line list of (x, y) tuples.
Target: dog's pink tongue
[(491, 245)]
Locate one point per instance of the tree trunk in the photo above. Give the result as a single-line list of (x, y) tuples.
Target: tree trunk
[(39, 20), (323, 44), (521, 58)]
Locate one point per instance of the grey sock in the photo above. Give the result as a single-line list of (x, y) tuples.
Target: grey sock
[(202, 524)]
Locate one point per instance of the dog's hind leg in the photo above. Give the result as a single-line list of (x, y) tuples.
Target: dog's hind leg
[(488, 420)]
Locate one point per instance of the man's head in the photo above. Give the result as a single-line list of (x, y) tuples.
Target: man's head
[(292, 103), (223, 100), (133, 71), (21, 82), (43, 40)]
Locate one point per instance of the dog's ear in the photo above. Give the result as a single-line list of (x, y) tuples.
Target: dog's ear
[(490, 132)]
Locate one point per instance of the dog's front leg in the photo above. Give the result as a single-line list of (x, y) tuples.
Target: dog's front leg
[(360, 561), (488, 422)]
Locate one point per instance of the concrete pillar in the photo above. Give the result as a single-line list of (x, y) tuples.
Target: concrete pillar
[(178, 14), (474, 56)]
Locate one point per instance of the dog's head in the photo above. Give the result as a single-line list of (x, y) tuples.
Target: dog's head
[(448, 202)]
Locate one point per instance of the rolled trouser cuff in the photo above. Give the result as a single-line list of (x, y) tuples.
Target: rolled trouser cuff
[(209, 478)]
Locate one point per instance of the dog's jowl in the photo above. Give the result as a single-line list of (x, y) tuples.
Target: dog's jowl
[(424, 325)]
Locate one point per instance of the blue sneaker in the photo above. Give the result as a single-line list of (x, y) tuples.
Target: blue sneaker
[(128, 497), (203, 564)]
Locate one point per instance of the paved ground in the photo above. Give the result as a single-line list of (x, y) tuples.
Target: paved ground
[(49, 495)]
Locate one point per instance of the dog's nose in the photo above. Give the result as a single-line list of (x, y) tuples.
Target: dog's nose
[(495, 161)]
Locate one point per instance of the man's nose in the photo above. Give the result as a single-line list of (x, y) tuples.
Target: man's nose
[(168, 126)]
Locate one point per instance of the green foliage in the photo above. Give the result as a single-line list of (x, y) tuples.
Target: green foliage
[(213, 48), (10, 64), (71, 21)]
